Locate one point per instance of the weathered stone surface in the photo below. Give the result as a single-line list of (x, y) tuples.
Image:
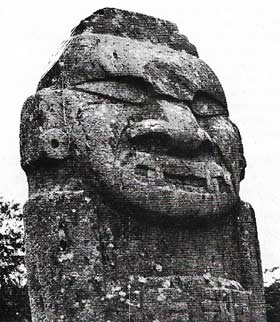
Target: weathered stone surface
[(134, 170), (137, 26), (169, 72)]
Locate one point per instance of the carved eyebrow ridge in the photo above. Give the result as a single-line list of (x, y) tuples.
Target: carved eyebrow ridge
[(108, 97), (112, 98), (138, 96), (120, 90)]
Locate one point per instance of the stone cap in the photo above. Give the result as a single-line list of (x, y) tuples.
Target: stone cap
[(137, 26), (114, 44), (92, 57)]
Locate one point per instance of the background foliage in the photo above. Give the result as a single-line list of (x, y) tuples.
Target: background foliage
[(272, 294), (14, 302)]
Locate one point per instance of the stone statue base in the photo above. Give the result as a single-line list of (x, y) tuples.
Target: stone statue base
[(184, 299), (117, 268)]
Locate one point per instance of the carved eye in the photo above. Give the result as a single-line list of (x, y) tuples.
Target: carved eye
[(203, 105), (122, 91)]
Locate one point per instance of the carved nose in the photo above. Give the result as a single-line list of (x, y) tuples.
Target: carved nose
[(177, 128)]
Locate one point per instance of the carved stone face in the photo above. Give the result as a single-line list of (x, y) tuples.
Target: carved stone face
[(130, 124), (158, 155), (151, 125)]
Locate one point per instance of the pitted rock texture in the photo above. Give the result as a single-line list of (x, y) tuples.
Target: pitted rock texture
[(134, 170), (136, 26), (169, 72)]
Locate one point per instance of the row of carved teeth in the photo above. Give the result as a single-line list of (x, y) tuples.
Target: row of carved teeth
[(185, 182)]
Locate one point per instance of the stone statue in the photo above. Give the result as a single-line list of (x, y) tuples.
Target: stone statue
[(134, 169)]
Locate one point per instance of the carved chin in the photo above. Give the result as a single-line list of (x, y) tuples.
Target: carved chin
[(152, 200)]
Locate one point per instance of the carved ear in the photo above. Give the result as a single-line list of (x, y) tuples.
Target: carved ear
[(241, 160), (43, 130), (54, 144), (242, 166)]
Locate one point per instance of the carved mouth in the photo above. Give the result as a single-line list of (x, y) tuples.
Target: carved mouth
[(192, 176), (179, 181), (155, 162)]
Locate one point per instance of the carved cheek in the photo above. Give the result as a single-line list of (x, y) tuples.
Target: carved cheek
[(227, 138), (102, 126), (222, 132)]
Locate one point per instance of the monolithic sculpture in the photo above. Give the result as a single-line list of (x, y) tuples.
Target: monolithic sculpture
[(134, 169)]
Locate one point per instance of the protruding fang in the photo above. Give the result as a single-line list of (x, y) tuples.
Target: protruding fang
[(208, 179), (215, 185), (228, 181)]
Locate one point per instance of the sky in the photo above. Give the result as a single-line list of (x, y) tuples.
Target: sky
[(238, 39)]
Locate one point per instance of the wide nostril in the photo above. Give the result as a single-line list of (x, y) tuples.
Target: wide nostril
[(149, 134), (171, 135), (151, 139), (207, 147)]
